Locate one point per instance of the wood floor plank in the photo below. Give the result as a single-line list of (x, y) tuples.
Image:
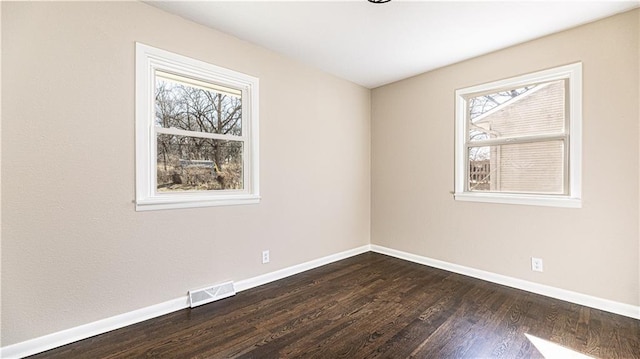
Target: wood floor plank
[(369, 306)]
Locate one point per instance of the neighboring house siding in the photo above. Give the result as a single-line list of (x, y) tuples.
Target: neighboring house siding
[(533, 167)]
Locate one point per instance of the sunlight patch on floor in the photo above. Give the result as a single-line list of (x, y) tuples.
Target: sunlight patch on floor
[(551, 350)]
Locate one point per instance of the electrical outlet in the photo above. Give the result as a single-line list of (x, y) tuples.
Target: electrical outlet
[(536, 264), (265, 256)]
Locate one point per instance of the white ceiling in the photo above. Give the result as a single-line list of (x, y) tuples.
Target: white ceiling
[(375, 44)]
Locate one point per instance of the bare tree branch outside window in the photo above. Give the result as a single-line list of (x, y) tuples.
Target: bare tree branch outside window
[(191, 163)]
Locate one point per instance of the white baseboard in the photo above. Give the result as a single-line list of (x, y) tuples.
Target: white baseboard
[(627, 310), (299, 268), (57, 339), (54, 340)]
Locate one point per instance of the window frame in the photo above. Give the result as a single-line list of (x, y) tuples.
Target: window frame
[(148, 60), (572, 75)]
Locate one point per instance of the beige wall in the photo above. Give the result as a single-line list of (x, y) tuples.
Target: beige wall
[(73, 248), (0, 176), (593, 250), (75, 251)]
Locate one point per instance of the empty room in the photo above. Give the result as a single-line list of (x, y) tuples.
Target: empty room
[(320, 179)]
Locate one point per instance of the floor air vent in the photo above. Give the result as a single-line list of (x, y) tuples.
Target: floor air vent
[(210, 294)]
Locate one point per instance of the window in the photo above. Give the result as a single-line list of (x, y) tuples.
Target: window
[(519, 140), (196, 133)]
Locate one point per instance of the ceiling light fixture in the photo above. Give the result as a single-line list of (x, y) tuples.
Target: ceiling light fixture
[(378, 1)]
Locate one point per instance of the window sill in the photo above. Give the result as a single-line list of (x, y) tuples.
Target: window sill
[(508, 198), (176, 202)]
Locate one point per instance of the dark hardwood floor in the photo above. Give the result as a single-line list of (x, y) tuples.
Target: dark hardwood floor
[(369, 306)]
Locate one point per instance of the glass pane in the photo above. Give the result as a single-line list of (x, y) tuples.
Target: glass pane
[(532, 110), (518, 168), (198, 164), (189, 105)]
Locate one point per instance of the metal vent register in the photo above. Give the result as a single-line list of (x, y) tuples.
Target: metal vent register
[(210, 294)]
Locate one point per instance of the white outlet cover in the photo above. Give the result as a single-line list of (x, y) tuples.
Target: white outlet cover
[(536, 264)]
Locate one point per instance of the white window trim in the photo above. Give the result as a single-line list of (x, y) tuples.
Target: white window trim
[(148, 59), (573, 199)]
